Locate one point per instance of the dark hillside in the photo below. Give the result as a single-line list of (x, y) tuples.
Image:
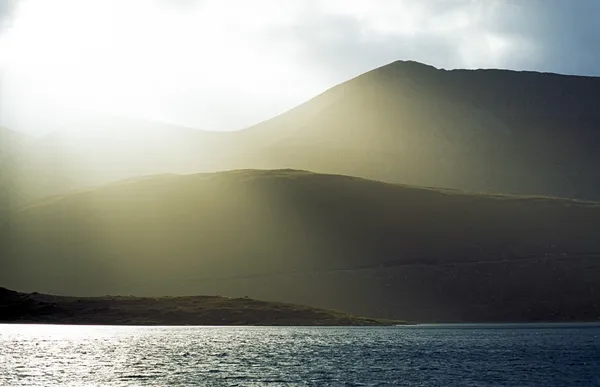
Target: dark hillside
[(333, 241), (479, 130), (196, 310)]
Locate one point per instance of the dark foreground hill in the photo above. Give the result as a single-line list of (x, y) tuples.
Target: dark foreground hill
[(332, 241), (198, 310)]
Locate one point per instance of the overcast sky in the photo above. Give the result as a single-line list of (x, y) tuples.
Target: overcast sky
[(227, 64)]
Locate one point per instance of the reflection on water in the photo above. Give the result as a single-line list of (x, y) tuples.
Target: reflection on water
[(476, 355)]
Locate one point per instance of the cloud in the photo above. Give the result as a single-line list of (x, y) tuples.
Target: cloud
[(564, 33), (348, 37), (339, 46), (344, 39), (7, 11)]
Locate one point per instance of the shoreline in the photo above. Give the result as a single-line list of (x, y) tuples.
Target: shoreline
[(36, 308)]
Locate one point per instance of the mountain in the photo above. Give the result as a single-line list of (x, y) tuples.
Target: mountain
[(477, 130), (11, 141), (96, 151), (197, 310), (340, 242), (492, 131)]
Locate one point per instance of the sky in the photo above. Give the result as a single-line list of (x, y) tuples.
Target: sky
[(228, 64)]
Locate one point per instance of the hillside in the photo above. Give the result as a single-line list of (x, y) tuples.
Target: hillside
[(332, 241), (478, 130), (100, 150), (197, 310)]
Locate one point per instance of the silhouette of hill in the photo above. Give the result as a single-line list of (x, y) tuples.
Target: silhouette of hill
[(196, 310), (332, 241)]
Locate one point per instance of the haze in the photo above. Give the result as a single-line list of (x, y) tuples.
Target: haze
[(300, 163), (223, 65)]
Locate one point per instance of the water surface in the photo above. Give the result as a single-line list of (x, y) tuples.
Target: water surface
[(430, 355)]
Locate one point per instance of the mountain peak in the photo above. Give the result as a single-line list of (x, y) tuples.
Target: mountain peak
[(410, 64), (403, 69)]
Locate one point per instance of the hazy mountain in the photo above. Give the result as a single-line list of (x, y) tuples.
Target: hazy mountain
[(96, 151), (480, 130), (406, 122), (12, 145), (340, 242), (11, 141)]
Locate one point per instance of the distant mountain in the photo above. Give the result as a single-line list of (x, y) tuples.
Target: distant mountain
[(11, 141), (332, 241), (479, 130), (96, 151)]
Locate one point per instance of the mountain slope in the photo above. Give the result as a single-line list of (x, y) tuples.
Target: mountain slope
[(478, 130), (332, 241), (96, 151)]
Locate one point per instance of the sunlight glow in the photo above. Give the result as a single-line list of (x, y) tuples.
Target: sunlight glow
[(216, 64), (134, 57)]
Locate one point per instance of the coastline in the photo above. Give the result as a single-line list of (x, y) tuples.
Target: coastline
[(35, 308)]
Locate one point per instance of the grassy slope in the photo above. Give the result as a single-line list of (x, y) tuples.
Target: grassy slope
[(196, 310), (333, 241)]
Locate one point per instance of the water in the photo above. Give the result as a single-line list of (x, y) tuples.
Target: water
[(476, 355)]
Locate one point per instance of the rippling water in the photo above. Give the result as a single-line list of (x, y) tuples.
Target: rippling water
[(478, 355)]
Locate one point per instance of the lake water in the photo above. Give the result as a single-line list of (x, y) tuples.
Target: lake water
[(444, 355)]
